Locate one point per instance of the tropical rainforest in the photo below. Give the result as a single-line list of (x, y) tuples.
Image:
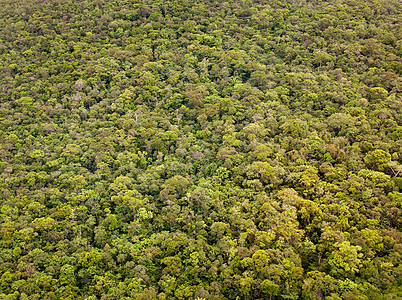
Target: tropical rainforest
[(239, 149)]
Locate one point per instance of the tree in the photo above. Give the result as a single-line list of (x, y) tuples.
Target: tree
[(345, 260), (378, 159), (269, 287)]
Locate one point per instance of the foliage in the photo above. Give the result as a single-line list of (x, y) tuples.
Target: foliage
[(200, 149)]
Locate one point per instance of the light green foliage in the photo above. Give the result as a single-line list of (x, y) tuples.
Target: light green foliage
[(375, 178), (378, 158), (346, 259), (45, 223), (89, 258), (339, 121), (260, 260), (200, 149), (269, 287), (378, 93)]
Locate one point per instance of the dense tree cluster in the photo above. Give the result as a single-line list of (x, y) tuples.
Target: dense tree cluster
[(200, 149)]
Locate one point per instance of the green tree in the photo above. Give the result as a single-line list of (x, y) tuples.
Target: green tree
[(346, 259), (378, 159)]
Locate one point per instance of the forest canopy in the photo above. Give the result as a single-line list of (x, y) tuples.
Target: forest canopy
[(200, 149)]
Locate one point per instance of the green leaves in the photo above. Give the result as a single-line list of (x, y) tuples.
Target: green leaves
[(88, 259), (378, 94), (200, 149), (45, 223), (346, 260), (339, 121), (377, 159)]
